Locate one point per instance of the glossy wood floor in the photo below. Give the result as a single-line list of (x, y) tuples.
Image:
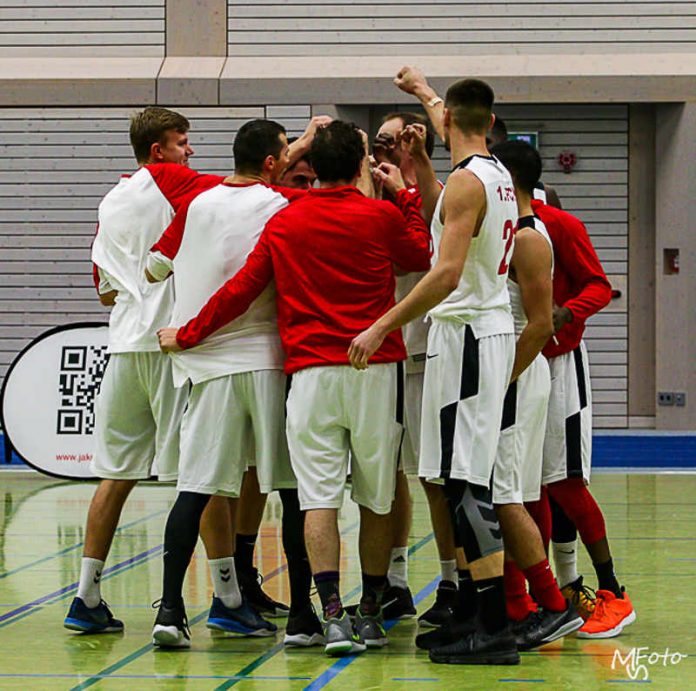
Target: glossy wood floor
[(651, 522)]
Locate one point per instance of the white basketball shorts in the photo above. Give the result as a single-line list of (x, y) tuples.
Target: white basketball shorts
[(413, 405), (230, 420), (335, 411), (517, 473), (137, 417), (465, 383), (568, 442)]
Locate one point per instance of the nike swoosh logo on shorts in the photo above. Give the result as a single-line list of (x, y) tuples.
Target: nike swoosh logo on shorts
[(430, 357)]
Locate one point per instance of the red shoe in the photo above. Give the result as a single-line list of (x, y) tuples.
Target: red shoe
[(610, 616)]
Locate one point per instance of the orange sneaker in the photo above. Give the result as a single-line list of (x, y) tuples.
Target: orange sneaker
[(610, 616), (582, 597)]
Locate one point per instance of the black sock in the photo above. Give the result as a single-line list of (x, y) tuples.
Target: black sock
[(607, 578), (327, 586), (562, 528), (299, 571), (466, 594), (492, 615), (373, 591), (244, 554), (180, 537)]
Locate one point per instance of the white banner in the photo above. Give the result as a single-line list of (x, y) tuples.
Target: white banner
[(48, 399)]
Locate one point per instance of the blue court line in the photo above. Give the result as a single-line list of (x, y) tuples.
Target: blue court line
[(30, 607), (523, 681), (332, 672), (77, 545), (262, 659)]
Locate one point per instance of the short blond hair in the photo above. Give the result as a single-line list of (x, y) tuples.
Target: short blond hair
[(150, 126)]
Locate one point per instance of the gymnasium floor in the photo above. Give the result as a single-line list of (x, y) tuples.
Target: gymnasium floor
[(651, 527)]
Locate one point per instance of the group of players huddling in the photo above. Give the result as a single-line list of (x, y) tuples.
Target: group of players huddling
[(257, 345)]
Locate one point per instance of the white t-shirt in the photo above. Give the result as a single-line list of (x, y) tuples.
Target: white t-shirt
[(133, 216), (481, 299), (221, 228)]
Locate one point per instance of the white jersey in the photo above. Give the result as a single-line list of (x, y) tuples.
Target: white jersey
[(481, 299), (222, 228), (518, 313), (132, 217)]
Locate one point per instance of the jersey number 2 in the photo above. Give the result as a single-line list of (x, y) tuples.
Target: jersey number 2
[(509, 237)]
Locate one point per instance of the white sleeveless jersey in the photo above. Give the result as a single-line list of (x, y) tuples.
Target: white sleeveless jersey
[(223, 226), (481, 299), (518, 313), (132, 217)]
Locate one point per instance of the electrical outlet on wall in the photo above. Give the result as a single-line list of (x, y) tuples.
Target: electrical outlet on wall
[(665, 398)]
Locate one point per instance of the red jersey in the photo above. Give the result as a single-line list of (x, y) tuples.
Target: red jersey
[(332, 255), (579, 281)]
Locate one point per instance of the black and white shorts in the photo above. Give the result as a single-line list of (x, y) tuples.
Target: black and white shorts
[(465, 383), (568, 441)]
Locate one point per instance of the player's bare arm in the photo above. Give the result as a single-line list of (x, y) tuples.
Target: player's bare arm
[(463, 208), (365, 182), (412, 81), (531, 264), (301, 145), (428, 185)]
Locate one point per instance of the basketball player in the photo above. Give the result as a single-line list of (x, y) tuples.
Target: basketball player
[(237, 379), (137, 409), (347, 280), (390, 146), (580, 289), (300, 176), (517, 476), (471, 347)]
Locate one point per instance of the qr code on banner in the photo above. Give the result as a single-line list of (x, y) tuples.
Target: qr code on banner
[(81, 372)]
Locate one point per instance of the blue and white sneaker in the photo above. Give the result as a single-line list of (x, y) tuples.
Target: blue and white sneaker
[(91, 619), (242, 620)]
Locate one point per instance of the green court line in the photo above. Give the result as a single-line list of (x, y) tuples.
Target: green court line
[(77, 545), (120, 664)]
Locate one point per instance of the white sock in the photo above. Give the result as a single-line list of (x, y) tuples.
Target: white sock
[(565, 559), (398, 567), (449, 570), (89, 588), (225, 584)]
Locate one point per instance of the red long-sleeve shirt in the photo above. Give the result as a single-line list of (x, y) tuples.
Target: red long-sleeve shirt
[(332, 255), (579, 281)]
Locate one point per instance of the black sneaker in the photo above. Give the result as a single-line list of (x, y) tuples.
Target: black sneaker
[(442, 611), (250, 585), (479, 648), (397, 603), (445, 634), (544, 626), (304, 629), (171, 628)]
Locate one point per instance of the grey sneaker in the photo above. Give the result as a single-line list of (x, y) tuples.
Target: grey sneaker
[(341, 638), (371, 629)]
